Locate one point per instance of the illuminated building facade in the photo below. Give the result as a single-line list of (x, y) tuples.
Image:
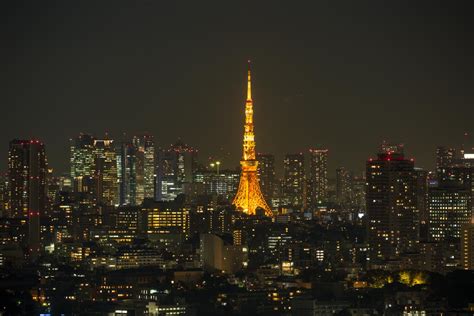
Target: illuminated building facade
[(294, 179), (343, 186), (82, 161), (134, 170), (445, 157), (249, 196), (467, 246), (106, 171), (318, 175), (449, 209), (139, 168), (391, 198), (176, 166), (125, 172), (266, 174), (166, 215), (27, 169), (149, 166)]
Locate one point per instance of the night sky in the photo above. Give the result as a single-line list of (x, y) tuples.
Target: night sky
[(341, 74)]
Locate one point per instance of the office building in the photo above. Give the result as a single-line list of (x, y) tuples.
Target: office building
[(391, 201), (318, 174), (27, 169), (176, 166), (449, 209), (294, 179), (266, 175)]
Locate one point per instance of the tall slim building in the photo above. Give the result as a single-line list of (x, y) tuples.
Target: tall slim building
[(127, 166), (294, 179), (139, 174), (82, 160), (391, 198), (106, 171), (318, 175), (344, 192), (249, 196), (467, 246), (149, 166), (27, 169), (266, 174)]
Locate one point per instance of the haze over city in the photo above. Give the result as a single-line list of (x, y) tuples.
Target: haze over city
[(237, 158), (342, 75)]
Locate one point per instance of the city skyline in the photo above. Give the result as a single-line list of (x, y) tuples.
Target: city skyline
[(124, 123), (324, 82)]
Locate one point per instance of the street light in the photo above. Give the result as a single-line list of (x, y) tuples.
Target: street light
[(216, 164)]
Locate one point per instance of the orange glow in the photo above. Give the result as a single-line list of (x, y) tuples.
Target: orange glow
[(249, 196)]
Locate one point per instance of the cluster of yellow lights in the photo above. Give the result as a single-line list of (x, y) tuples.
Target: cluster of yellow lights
[(249, 197)]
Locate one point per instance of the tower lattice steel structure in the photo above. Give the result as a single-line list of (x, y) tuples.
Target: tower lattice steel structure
[(249, 196)]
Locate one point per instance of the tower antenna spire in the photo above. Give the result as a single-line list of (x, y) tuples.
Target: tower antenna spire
[(249, 82)]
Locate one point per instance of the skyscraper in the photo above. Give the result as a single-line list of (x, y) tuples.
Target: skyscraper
[(445, 157), (391, 198), (82, 160), (294, 179), (149, 166), (139, 168), (176, 166), (27, 169), (343, 186), (318, 175), (249, 196), (266, 174), (127, 165), (106, 171)]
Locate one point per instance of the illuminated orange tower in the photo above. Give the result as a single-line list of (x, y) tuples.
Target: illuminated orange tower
[(249, 197)]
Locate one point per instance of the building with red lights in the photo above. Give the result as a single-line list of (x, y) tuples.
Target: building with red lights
[(27, 170)]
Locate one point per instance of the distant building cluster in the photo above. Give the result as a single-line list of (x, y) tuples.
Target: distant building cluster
[(135, 229)]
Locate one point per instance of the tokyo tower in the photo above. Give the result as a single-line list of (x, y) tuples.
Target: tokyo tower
[(249, 197)]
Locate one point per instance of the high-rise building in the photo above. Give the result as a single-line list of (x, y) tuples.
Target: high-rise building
[(445, 157), (4, 195), (449, 208), (27, 169), (82, 161), (223, 183), (249, 196), (358, 186), (422, 201), (139, 168), (294, 179), (105, 174), (318, 174), (127, 172), (149, 166), (176, 166), (467, 246), (391, 198), (344, 192), (266, 175)]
